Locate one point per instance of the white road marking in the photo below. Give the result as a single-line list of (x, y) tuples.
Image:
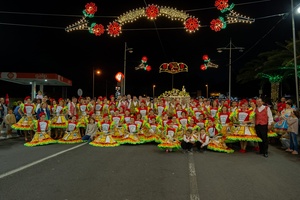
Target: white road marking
[(38, 161), (194, 194)]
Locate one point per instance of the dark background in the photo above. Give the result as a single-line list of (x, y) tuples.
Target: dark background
[(49, 49)]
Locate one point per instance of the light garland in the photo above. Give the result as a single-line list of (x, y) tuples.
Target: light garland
[(82, 24)]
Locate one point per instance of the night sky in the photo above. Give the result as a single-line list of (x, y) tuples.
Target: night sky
[(49, 49)]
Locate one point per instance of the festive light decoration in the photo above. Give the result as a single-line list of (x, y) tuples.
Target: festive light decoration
[(218, 24), (119, 76), (231, 17), (114, 29), (207, 63), (90, 10), (152, 11), (173, 67), (191, 24), (144, 64), (82, 24), (97, 29)]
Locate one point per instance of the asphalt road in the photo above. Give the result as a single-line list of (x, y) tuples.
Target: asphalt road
[(134, 172)]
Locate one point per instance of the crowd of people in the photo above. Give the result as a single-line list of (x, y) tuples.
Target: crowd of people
[(173, 123)]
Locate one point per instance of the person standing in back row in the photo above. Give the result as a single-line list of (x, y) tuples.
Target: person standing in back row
[(263, 122)]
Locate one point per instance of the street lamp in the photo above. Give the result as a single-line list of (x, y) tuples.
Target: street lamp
[(230, 47), (130, 50), (154, 90), (97, 72), (206, 90), (294, 48)]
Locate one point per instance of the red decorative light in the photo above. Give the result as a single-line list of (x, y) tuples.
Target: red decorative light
[(144, 59), (181, 66), (203, 67), (119, 76), (148, 68), (216, 25), (90, 8), (152, 11), (191, 24), (205, 57), (165, 65), (221, 4), (98, 29), (114, 29)]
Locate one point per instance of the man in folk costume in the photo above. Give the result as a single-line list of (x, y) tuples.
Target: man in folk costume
[(72, 134), (26, 110), (263, 122), (42, 131), (134, 105), (129, 100), (234, 106), (72, 108), (148, 103), (123, 102)]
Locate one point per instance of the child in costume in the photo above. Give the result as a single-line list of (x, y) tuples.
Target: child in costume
[(202, 140), (188, 141), (72, 134), (42, 132), (25, 123)]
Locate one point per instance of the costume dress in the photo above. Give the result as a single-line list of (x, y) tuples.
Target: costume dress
[(83, 117), (244, 132), (281, 126), (25, 123), (170, 142), (72, 134), (104, 138), (59, 120), (131, 134), (151, 132), (41, 136)]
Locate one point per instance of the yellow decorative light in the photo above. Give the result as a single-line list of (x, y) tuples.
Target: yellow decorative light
[(131, 16)]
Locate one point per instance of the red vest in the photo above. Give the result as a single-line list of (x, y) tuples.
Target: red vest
[(261, 117)]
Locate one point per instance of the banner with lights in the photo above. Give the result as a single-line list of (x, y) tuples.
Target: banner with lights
[(190, 23), (173, 67)]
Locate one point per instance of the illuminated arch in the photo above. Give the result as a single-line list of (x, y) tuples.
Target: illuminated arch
[(191, 24)]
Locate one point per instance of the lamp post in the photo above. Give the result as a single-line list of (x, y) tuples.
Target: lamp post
[(98, 72), (230, 47), (154, 90), (294, 49), (130, 50), (206, 90)]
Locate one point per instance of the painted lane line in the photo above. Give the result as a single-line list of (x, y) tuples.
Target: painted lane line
[(38, 161), (194, 194)]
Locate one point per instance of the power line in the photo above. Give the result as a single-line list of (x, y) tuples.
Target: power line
[(30, 25)]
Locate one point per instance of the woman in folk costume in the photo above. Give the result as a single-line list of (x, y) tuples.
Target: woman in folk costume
[(118, 122), (127, 116), (91, 106), (281, 126), (171, 108), (98, 108), (143, 109), (160, 107), (131, 133), (42, 132), (72, 134), (192, 125), (183, 120), (152, 131), (151, 116), (169, 142), (53, 107), (178, 110), (112, 108), (122, 110), (105, 106), (83, 115), (105, 138), (59, 122), (225, 119), (214, 109), (200, 121), (217, 141), (245, 131), (26, 110), (176, 124)]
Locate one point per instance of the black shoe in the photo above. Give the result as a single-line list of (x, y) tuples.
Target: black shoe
[(265, 155)]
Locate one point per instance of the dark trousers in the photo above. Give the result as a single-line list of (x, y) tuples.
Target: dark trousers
[(186, 145), (198, 145), (262, 132)]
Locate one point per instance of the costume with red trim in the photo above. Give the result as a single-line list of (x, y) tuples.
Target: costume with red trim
[(25, 123), (169, 142), (59, 120), (72, 134), (42, 134), (131, 134)]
